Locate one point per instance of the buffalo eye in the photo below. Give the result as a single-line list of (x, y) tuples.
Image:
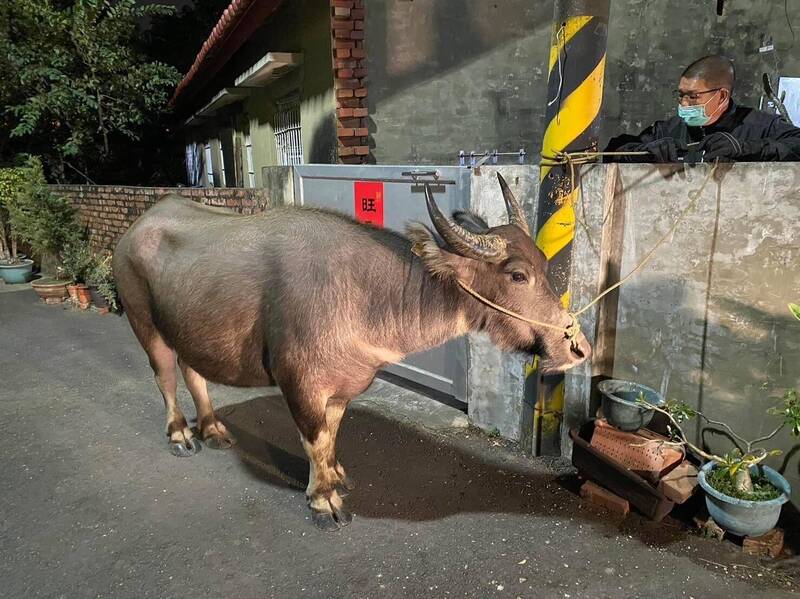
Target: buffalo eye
[(519, 277)]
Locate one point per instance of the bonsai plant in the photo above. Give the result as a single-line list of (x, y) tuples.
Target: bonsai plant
[(742, 495), (102, 286), (14, 268)]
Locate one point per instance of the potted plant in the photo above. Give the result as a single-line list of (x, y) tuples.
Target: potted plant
[(102, 286), (743, 495), (14, 267), (45, 221), (78, 261)]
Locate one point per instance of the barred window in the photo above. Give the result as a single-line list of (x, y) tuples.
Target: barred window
[(209, 165), (248, 152), (287, 132)]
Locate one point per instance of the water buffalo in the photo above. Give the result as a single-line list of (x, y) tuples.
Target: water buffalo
[(317, 303)]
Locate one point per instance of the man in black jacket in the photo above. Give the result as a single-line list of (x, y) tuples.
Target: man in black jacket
[(710, 125)]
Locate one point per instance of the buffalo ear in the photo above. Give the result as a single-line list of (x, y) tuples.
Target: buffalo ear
[(439, 262)]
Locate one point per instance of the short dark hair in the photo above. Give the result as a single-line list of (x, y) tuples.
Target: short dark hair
[(715, 69)]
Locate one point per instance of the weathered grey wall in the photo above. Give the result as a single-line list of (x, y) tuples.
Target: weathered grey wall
[(706, 320), (446, 75)]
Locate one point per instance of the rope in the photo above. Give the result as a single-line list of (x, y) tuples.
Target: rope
[(694, 196)]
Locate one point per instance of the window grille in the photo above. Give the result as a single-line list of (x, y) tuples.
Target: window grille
[(248, 151), (221, 153), (209, 165), (288, 140), (193, 164)]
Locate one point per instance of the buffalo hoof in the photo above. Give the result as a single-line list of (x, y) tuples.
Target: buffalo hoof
[(331, 522), (184, 450), (220, 442)]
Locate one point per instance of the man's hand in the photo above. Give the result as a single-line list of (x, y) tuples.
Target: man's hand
[(664, 149), (726, 147)]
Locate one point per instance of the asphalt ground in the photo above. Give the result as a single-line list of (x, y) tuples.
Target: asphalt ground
[(92, 504)]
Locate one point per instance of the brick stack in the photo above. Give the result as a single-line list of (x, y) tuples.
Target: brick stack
[(350, 71), (108, 210)]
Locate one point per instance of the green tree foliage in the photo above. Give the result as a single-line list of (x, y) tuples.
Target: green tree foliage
[(77, 88)]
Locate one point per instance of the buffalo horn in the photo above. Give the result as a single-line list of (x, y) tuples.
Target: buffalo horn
[(515, 214), (466, 243)]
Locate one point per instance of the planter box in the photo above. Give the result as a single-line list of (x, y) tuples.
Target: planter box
[(593, 465)]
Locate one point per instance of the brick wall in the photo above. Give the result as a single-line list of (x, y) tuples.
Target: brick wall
[(109, 210), (350, 72)]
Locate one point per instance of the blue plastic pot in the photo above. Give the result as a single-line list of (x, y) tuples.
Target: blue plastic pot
[(17, 273), (619, 404), (740, 516)]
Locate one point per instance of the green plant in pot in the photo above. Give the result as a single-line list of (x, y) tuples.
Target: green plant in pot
[(14, 267), (102, 286), (743, 495), (78, 262)]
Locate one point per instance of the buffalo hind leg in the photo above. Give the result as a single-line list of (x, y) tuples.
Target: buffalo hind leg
[(212, 431), (162, 360)]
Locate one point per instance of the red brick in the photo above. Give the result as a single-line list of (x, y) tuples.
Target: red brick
[(362, 150), (359, 73), (360, 112), (605, 498), (679, 484), (350, 141), (346, 64), (343, 34), (351, 123), (770, 543), (361, 132), (344, 73), (348, 83), (360, 92), (344, 132), (344, 93), (342, 53), (351, 159), (347, 25), (346, 151), (358, 53), (349, 102), (355, 35), (344, 113), (358, 24), (358, 3), (339, 44), (342, 3), (341, 12)]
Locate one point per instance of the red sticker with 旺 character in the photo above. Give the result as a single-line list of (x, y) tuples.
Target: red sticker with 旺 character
[(368, 202)]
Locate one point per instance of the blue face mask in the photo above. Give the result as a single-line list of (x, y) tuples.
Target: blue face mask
[(695, 116)]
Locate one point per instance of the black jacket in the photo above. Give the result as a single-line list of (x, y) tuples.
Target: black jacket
[(771, 138)]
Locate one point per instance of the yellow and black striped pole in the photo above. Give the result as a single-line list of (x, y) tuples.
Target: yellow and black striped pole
[(576, 71)]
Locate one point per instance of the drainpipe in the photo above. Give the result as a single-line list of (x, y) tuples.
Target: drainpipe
[(576, 70)]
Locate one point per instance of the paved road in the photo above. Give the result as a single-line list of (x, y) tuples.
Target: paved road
[(93, 505)]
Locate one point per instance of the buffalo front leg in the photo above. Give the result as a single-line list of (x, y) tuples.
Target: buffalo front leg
[(334, 412), (308, 410), (212, 431), (162, 360)]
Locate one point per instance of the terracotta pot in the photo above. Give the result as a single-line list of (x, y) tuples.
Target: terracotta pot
[(50, 290), (72, 289), (83, 295)]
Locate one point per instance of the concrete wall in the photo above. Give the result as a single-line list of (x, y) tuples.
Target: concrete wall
[(446, 75), (706, 320)]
